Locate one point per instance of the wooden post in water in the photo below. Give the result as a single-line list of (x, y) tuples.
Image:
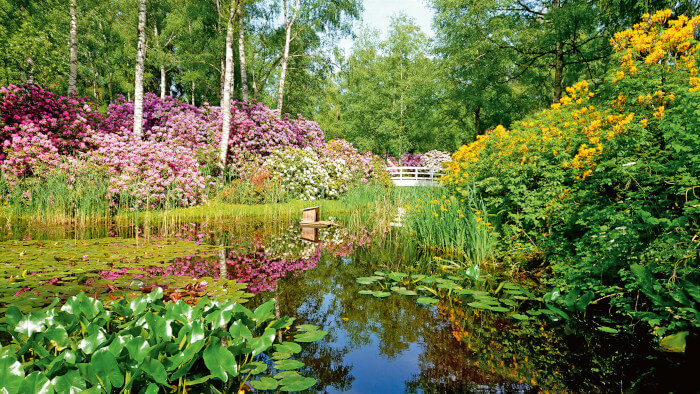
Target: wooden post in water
[(310, 215)]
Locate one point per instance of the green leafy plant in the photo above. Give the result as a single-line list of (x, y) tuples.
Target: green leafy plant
[(146, 344)]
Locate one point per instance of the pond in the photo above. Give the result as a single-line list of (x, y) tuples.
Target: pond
[(391, 344)]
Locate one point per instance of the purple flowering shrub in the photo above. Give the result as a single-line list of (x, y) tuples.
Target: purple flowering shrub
[(148, 174), (364, 166), (406, 160), (38, 126), (256, 131)]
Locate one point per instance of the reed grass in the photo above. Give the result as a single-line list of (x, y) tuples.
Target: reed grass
[(454, 226)]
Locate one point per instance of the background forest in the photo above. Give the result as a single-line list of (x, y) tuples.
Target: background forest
[(402, 93)]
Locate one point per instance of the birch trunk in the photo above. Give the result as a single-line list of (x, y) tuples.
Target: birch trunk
[(226, 99), (241, 52), (162, 66), (138, 80), (73, 70), (559, 63), (285, 56)]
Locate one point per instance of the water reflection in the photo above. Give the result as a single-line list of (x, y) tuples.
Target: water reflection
[(389, 345)]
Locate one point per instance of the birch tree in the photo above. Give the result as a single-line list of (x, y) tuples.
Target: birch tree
[(241, 50), (288, 23), (138, 80), (73, 70), (226, 99)]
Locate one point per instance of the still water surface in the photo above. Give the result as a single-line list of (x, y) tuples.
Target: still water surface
[(390, 345)]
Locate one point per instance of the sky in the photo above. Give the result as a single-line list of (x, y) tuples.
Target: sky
[(378, 15)]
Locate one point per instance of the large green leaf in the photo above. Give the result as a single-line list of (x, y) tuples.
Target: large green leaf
[(220, 361), (138, 349), (155, 370), (31, 323), (107, 369), (262, 343), (36, 383), (296, 383), (11, 374), (674, 343), (70, 383), (264, 312), (92, 342)]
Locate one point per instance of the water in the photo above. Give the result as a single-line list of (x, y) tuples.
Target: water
[(374, 345)]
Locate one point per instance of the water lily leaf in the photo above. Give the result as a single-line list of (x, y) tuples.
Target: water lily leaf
[(281, 356), (311, 336), (286, 365), (254, 367), (381, 294), (288, 347), (296, 384), (366, 292), (427, 300), (674, 343), (11, 374), (264, 383), (367, 280), (286, 374), (37, 383), (306, 327), (379, 273), (519, 316), (479, 305), (608, 329)]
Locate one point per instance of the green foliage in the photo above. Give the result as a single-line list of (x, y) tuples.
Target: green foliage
[(453, 225), (212, 346), (601, 183)]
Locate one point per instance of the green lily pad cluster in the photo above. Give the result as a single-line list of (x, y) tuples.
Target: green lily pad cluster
[(149, 346), (33, 272), (468, 287)]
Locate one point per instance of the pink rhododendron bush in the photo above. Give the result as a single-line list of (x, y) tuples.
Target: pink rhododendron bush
[(44, 135)]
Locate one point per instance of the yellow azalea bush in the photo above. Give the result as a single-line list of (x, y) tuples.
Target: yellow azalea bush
[(607, 179)]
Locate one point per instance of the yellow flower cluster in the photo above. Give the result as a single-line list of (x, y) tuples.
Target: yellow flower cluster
[(659, 42)]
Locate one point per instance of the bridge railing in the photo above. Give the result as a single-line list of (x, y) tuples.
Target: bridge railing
[(415, 173)]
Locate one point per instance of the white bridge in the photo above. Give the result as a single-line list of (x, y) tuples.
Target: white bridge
[(415, 176)]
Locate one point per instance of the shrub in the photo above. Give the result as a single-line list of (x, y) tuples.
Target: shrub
[(47, 124), (300, 173), (606, 181)]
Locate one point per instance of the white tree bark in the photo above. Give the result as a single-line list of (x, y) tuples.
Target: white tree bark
[(226, 98), (162, 66), (138, 80), (73, 70), (241, 51), (285, 56)]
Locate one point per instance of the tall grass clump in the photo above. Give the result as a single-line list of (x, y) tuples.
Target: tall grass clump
[(55, 198), (453, 225)]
